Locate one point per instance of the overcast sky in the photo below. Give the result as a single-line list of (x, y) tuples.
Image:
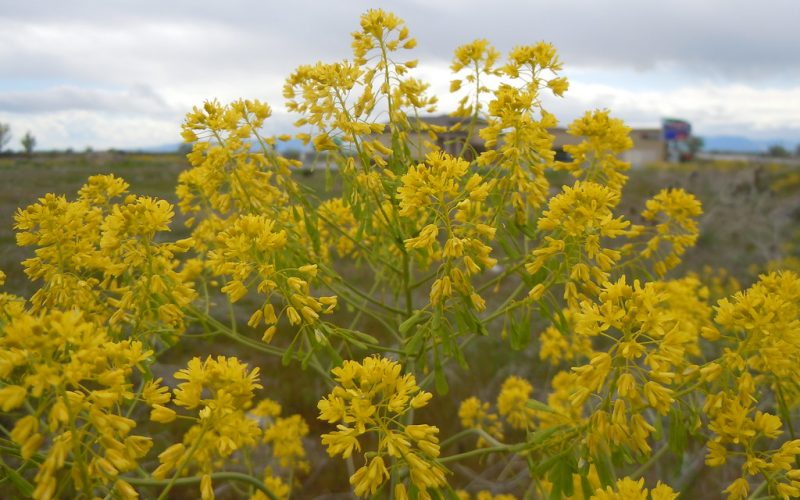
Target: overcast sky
[(122, 74)]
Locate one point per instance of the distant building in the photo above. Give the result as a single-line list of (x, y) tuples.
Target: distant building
[(649, 145)]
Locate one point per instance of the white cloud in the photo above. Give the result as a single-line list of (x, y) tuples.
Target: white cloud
[(99, 130), (137, 99), (736, 109), (725, 64)]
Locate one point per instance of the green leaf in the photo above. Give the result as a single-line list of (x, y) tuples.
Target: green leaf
[(544, 466), (414, 344), (364, 337), (605, 469), (622, 457), (677, 437), (538, 405), (287, 355), (328, 178), (520, 333), (507, 247), (588, 491), (539, 436), (313, 232), (442, 387), (408, 324), (23, 486), (561, 477)]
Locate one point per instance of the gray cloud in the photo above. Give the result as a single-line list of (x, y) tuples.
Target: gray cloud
[(139, 99), (721, 38), (83, 55)]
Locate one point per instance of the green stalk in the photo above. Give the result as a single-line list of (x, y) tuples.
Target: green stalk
[(188, 481)]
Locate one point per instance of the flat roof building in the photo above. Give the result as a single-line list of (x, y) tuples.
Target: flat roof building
[(649, 145)]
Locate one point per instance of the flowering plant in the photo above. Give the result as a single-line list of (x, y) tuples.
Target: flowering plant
[(465, 241)]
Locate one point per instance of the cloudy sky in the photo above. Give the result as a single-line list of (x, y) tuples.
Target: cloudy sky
[(122, 74)]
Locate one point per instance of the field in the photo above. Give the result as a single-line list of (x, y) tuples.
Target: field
[(750, 223), (751, 213)]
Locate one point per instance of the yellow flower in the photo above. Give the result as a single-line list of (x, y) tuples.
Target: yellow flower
[(738, 489), (371, 397), (369, 478), (206, 488), (162, 414), (512, 402)]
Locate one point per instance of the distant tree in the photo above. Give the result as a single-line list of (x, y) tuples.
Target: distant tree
[(778, 151), (696, 145), (5, 135), (185, 148), (797, 150), (28, 142), (292, 154)]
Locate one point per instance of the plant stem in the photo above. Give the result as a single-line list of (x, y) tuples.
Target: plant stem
[(187, 481), (474, 453), (757, 491), (183, 463), (653, 459)]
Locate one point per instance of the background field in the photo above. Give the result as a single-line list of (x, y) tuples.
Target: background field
[(751, 219)]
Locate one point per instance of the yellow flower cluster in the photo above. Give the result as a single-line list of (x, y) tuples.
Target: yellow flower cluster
[(517, 408), (438, 188), (479, 58), (101, 256), (763, 325), (574, 225), (373, 397), (483, 495), (595, 159), (649, 348), (559, 342), (474, 414), (69, 378), (512, 402), (339, 99), (226, 175), (758, 326), (519, 146), (251, 245), (673, 212), (628, 489), (219, 393)]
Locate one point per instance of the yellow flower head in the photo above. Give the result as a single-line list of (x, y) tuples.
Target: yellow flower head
[(371, 397), (512, 402)]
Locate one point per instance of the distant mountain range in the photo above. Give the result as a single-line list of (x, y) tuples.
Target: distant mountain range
[(741, 144)]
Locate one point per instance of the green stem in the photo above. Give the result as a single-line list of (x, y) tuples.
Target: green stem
[(407, 283), (481, 451), (183, 463), (645, 466), (367, 298), (505, 274), (368, 252), (188, 481), (508, 305), (757, 491), (477, 432), (456, 437)]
